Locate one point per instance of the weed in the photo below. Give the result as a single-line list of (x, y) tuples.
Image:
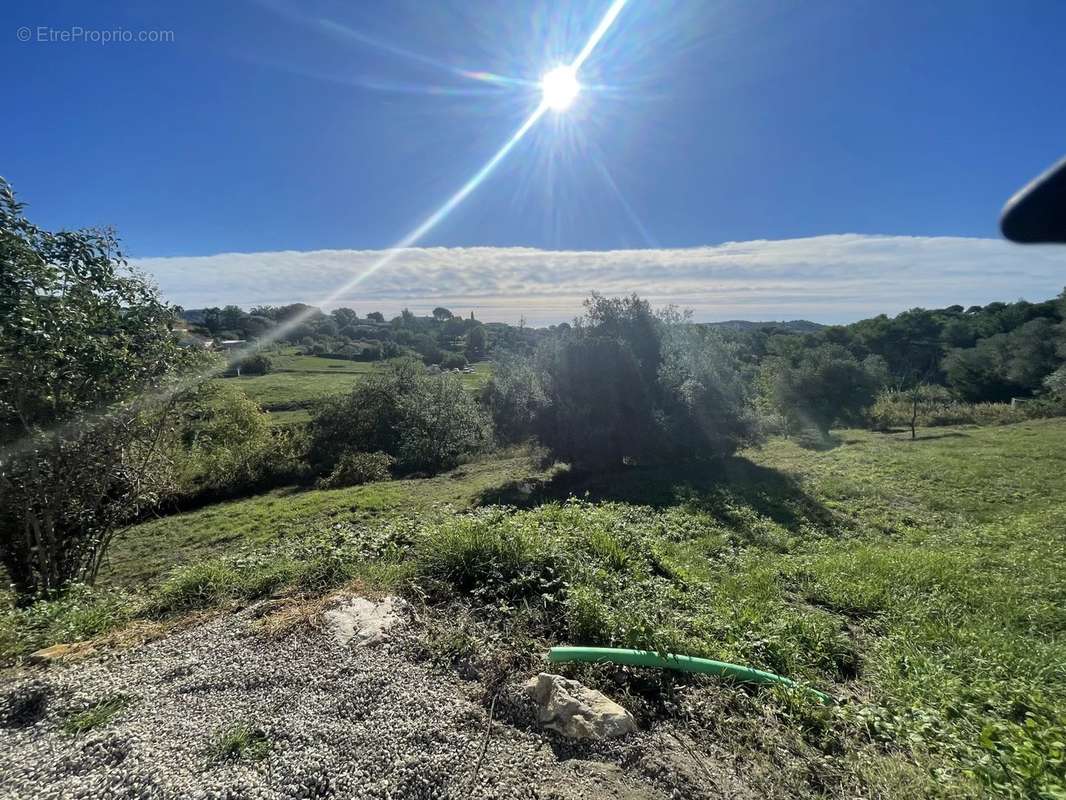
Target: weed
[(96, 716), (242, 741)]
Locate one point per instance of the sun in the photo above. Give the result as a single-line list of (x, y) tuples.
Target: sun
[(559, 88)]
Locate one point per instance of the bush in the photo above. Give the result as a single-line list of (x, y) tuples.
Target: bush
[(453, 361), (513, 397), (224, 445), (488, 556), (936, 407), (426, 422), (625, 385), (818, 388), (82, 335), (256, 364), (355, 469), (65, 493)]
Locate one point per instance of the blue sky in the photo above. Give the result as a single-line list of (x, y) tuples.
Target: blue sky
[(268, 127)]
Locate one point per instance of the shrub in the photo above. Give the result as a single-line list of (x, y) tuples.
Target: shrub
[(426, 422), (224, 444), (936, 407), (818, 388), (487, 555), (80, 336), (513, 397), (256, 364), (355, 469), (64, 493), (453, 361), (625, 385)]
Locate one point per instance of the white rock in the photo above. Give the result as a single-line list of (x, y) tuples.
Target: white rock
[(577, 711), (361, 622)]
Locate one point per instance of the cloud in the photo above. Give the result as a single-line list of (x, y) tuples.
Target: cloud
[(834, 278)]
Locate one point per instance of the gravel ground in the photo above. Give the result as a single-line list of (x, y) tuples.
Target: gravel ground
[(372, 722)]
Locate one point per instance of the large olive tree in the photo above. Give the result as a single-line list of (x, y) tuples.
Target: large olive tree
[(84, 345)]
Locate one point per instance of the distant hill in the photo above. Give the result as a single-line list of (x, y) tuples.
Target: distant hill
[(796, 325)]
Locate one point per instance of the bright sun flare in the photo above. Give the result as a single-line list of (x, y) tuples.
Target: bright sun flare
[(559, 87)]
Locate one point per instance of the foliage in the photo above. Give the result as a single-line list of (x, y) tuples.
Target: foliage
[(223, 444), (934, 406), (453, 361), (707, 404), (1005, 364), (426, 422), (96, 716), (355, 469), (64, 493), (80, 334), (624, 385), (598, 410), (818, 387), (243, 741), (255, 364), (513, 398)]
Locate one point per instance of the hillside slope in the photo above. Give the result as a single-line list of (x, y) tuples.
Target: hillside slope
[(918, 581)]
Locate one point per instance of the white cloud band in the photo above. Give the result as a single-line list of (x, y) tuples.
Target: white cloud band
[(833, 278)]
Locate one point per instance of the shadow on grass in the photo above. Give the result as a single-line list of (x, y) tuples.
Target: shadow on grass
[(706, 486), (934, 436)]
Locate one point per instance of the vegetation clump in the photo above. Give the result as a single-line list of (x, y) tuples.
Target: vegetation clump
[(242, 742), (425, 422), (85, 343), (625, 385), (355, 469), (96, 716)]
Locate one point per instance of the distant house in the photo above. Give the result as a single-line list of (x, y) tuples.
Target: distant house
[(232, 344), (194, 341)]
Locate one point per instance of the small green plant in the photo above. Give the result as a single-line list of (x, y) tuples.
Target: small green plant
[(96, 716), (355, 469), (242, 741)]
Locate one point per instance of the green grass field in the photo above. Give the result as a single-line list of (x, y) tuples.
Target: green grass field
[(296, 381), (920, 582)]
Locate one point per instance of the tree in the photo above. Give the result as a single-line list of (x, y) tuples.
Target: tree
[(475, 342), (514, 398), (253, 326), (625, 385), (344, 317), (441, 314), (231, 318), (81, 336), (598, 411), (819, 388), (376, 316), (213, 319)]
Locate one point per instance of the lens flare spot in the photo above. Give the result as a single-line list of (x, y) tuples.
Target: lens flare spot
[(559, 88)]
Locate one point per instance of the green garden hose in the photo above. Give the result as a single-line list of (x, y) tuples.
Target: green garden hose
[(647, 658)]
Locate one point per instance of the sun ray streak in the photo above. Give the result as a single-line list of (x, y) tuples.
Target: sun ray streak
[(605, 173), (478, 75), (389, 255), (461, 194), (601, 29)]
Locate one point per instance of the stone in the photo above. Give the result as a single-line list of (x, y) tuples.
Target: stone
[(360, 622), (572, 709)]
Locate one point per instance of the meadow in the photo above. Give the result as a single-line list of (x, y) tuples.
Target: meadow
[(296, 381), (918, 582)]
